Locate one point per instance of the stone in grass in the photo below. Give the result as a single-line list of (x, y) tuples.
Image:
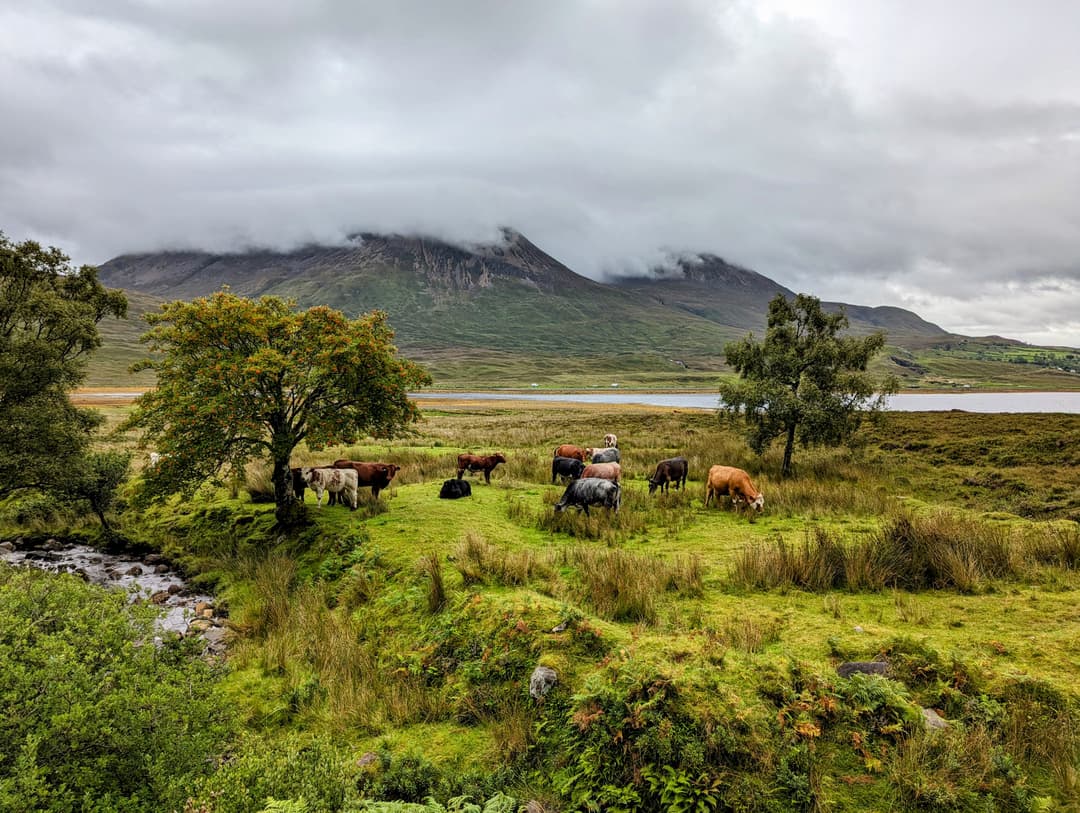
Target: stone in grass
[(934, 720), (846, 670), (541, 681)]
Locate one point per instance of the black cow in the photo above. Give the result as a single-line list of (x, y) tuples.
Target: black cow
[(454, 489), (566, 467), (298, 484), (590, 491), (672, 470), (606, 456)]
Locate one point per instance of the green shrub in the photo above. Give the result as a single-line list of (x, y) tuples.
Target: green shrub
[(96, 716)]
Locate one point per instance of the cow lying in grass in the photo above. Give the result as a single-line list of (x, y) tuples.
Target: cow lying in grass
[(454, 489), (673, 470), (590, 491), (337, 481), (476, 462), (736, 483)]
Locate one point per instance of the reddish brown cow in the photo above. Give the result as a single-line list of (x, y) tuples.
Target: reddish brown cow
[(576, 452), (476, 462), (735, 482), (375, 475), (604, 471)]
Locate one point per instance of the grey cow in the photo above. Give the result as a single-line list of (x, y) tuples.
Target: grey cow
[(590, 491), (606, 456)]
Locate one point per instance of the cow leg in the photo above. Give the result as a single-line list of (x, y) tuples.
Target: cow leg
[(375, 492), (460, 473), (487, 476), (585, 507), (318, 497), (351, 493)]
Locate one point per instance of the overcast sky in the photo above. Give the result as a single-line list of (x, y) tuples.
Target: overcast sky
[(907, 152)]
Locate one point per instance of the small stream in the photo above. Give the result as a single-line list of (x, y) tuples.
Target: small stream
[(148, 578)]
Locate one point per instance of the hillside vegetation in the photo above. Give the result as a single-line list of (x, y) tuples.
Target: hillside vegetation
[(386, 653), (509, 315)]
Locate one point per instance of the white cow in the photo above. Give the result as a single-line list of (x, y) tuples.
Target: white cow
[(342, 482)]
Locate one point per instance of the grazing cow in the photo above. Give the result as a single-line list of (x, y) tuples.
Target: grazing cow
[(476, 462), (606, 456), (672, 470), (376, 475), (569, 450), (590, 491), (341, 481), (605, 471), (610, 441), (455, 489), (735, 482), (566, 467)]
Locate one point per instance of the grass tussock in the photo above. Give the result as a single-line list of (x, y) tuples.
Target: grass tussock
[(431, 567), (480, 562), (623, 586), (909, 552)]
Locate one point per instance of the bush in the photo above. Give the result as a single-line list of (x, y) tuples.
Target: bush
[(95, 713)]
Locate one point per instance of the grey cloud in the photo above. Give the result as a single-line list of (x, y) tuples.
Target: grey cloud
[(613, 134)]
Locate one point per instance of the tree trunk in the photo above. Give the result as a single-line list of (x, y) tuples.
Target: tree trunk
[(785, 470), (288, 512)]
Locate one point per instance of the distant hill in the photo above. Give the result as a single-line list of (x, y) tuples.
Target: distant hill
[(708, 286), (509, 314)]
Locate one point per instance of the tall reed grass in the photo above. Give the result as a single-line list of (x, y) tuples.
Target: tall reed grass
[(911, 552)]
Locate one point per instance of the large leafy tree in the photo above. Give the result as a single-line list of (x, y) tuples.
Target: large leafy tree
[(805, 382), (239, 379), (49, 313)]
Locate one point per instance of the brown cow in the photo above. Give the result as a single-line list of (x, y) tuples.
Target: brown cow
[(576, 452), (735, 482), (604, 471), (611, 440), (476, 462), (376, 475)]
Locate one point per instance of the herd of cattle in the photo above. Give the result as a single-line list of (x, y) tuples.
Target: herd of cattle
[(593, 476)]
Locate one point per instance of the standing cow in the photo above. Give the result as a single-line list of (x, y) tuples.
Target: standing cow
[(339, 481), (476, 462), (567, 467), (736, 483), (376, 475), (673, 470), (570, 450), (590, 491), (605, 471), (610, 440), (611, 455)]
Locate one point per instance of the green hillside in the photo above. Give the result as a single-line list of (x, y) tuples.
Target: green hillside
[(509, 315)]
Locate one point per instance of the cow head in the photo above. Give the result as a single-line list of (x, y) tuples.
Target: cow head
[(653, 484), (498, 457), (759, 503), (391, 470)]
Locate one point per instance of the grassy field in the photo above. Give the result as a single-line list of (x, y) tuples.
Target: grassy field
[(682, 636)]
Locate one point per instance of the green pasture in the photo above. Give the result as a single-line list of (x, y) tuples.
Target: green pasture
[(410, 626)]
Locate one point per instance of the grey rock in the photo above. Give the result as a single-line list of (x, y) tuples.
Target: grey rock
[(215, 640), (7, 547), (159, 569), (846, 670), (160, 597), (174, 589), (134, 570), (52, 544), (934, 720), (367, 758), (541, 681)]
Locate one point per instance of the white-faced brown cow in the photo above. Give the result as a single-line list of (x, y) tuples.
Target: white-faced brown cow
[(736, 483), (337, 481), (610, 441)]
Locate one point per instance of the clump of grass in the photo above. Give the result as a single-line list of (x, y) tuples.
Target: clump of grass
[(480, 562), (621, 586), (914, 553), (747, 634), (686, 575), (1057, 546), (431, 567)]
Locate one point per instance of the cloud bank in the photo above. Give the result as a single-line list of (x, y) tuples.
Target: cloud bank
[(873, 152)]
